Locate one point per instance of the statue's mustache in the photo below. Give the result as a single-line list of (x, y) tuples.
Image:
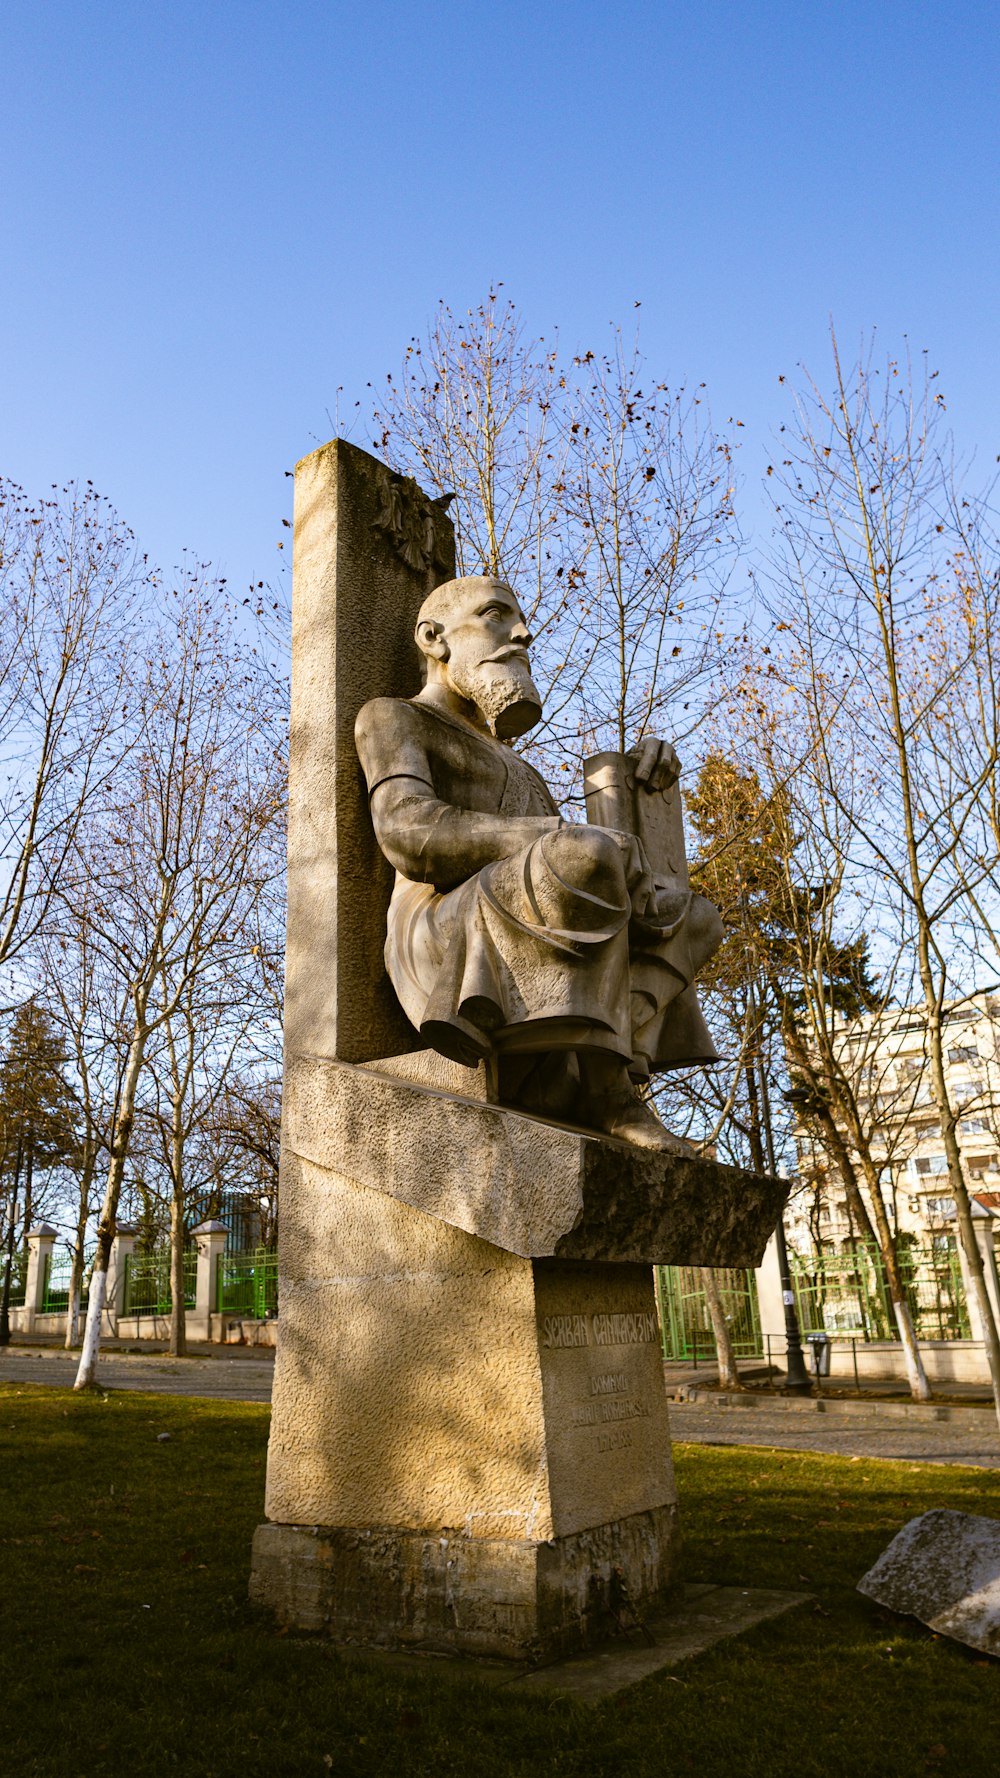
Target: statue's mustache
[(513, 651)]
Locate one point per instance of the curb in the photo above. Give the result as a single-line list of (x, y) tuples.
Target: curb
[(836, 1409)]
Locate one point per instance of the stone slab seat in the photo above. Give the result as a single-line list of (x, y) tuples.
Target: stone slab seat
[(531, 1186)]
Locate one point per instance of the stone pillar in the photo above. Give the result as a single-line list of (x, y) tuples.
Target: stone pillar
[(986, 1243), (771, 1304), (41, 1241), (114, 1303), (210, 1238), (983, 1224)]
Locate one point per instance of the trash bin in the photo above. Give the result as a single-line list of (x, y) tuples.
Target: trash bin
[(820, 1346)]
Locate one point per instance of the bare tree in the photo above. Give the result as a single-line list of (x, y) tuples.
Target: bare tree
[(885, 592), (190, 1073), (68, 964), (602, 495), (179, 852), (70, 582)]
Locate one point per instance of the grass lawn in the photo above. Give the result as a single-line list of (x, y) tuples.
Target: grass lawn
[(127, 1646)]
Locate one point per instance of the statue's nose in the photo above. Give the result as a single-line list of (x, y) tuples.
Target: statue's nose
[(521, 633)]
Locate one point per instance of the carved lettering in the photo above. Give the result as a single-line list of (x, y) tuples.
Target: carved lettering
[(565, 1330), (633, 1409), (625, 1330), (615, 1441), (611, 1383)]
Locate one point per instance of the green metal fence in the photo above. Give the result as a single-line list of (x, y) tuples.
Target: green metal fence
[(936, 1290), (18, 1277), (846, 1295), (247, 1284), (685, 1323), (842, 1294), (147, 1282), (58, 1278)]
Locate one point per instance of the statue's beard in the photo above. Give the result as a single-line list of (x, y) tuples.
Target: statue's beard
[(504, 691)]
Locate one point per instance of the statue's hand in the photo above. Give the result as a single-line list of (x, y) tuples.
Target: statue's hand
[(656, 763), (638, 874)]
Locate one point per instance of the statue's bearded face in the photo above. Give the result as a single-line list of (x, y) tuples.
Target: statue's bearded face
[(485, 657)]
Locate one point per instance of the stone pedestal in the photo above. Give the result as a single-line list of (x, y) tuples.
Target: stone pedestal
[(470, 1446)]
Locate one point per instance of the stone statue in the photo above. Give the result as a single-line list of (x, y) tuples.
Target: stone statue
[(556, 953)]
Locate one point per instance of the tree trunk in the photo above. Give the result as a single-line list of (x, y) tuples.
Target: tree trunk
[(728, 1374), (178, 1313), (881, 1234), (916, 1375), (28, 1193), (76, 1273), (86, 1376), (956, 1175)]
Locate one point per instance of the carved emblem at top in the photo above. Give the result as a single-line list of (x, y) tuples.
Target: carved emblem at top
[(411, 521)]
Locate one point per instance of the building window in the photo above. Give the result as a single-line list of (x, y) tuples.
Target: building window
[(973, 1126), (966, 1052), (932, 1164), (941, 1209)]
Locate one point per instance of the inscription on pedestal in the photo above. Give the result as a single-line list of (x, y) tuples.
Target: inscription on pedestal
[(606, 1429)]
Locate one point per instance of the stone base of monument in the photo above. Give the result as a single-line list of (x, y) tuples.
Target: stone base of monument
[(519, 1600), (470, 1447)]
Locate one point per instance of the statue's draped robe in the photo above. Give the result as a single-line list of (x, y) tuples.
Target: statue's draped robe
[(489, 948)]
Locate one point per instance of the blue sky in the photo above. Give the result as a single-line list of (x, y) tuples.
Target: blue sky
[(212, 215)]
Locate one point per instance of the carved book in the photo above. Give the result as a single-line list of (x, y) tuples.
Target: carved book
[(615, 799)]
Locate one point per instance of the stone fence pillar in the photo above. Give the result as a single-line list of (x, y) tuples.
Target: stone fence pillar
[(210, 1238), (771, 1305), (114, 1303), (41, 1241), (983, 1224)]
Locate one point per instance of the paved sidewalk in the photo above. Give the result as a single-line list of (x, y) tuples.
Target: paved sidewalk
[(223, 1376)]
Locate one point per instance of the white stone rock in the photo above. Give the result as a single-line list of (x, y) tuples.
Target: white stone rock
[(944, 1568)]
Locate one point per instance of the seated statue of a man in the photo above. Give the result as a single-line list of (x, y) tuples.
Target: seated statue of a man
[(546, 948)]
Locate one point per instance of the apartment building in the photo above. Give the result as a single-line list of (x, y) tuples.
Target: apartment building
[(885, 1060)]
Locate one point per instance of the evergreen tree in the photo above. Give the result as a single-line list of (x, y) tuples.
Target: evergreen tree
[(38, 1124)]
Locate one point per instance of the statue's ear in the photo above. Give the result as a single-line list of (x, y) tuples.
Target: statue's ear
[(430, 640)]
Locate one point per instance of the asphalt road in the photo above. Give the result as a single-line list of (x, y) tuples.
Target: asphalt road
[(862, 1429), (247, 1378)]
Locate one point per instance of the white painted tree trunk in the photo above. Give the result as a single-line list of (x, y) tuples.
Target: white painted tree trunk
[(86, 1375), (916, 1376)]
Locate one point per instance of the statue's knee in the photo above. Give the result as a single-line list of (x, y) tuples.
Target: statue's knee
[(705, 928), (586, 858)]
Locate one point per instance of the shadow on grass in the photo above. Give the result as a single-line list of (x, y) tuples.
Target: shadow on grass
[(128, 1645)]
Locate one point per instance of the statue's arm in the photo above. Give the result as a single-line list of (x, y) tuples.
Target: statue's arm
[(433, 842), (426, 839)]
